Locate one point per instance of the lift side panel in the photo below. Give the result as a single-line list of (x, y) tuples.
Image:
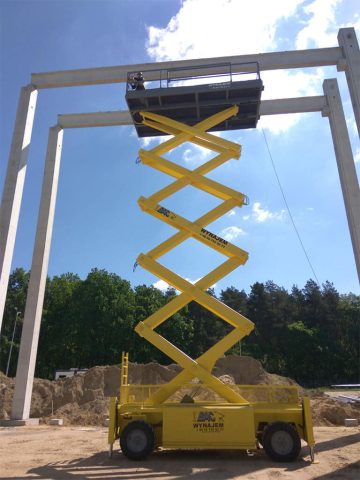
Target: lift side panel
[(208, 427)]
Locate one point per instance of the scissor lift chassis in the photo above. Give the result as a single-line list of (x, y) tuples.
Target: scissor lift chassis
[(173, 414), (207, 425)]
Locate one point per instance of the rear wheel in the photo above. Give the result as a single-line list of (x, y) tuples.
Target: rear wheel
[(137, 440), (281, 442)]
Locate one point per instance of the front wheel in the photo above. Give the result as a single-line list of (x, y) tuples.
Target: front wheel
[(281, 442), (137, 440)]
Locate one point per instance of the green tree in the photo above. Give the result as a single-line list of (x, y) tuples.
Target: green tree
[(311, 334), (57, 342), (208, 328), (15, 303), (237, 300), (147, 301), (102, 317), (349, 319)]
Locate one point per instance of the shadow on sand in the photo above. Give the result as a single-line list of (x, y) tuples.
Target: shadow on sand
[(181, 464)]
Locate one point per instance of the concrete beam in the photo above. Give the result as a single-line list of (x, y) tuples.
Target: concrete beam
[(35, 297), (96, 119), (348, 41), (268, 61), (293, 105), (345, 162), (267, 107), (14, 186)]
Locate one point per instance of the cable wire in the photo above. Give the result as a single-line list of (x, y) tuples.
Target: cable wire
[(288, 208)]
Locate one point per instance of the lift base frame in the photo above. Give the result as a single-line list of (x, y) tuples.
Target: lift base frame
[(214, 424)]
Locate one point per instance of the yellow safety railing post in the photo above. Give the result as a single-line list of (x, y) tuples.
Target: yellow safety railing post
[(225, 150)]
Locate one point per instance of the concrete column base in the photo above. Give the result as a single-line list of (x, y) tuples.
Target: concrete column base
[(19, 423)]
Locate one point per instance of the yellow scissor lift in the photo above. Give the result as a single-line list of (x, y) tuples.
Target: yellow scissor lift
[(175, 414)]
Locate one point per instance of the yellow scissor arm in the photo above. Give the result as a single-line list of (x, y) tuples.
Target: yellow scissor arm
[(230, 198)]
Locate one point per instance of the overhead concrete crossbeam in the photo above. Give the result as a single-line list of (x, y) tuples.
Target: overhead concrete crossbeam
[(122, 117), (267, 61), (95, 119)]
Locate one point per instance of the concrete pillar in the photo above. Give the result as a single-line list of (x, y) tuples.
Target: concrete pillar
[(345, 162), (348, 41), (35, 297), (14, 186)]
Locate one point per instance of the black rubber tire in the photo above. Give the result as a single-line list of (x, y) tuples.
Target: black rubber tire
[(281, 442), (137, 440)]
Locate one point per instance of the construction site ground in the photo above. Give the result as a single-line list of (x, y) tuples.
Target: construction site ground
[(78, 450), (75, 452)]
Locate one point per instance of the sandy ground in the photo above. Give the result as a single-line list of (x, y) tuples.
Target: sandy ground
[(70, 453)]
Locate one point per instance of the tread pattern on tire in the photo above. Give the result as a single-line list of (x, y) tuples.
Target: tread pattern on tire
[(270, 430), (150, 437)]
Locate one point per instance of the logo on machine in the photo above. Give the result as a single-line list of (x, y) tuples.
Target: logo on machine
[(167, 213), (211, 237), (208, 421)]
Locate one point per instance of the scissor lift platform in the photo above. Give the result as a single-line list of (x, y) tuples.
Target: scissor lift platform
[(172, 96)]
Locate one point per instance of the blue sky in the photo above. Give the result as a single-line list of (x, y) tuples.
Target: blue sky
[(98, 222)]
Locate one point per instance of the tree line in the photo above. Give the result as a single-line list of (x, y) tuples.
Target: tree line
[(310, 334)]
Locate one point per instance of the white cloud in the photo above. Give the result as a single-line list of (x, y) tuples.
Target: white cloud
[(193, 281), (288, 84), (153, 141), (196, 154), (231, 213), (187, 157), (146, 141), (260, 214), (186, 37), (161, 285), (357, 155), (246, 217), (284, 84), (321, 28), (230, 233), (278, 124)]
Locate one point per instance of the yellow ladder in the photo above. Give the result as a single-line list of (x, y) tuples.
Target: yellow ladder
[(124, 377), (225, 150)]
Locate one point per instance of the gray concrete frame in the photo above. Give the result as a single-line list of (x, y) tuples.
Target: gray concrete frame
[(346, 57)]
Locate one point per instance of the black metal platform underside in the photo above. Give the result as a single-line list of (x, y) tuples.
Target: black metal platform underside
[(192, 104)]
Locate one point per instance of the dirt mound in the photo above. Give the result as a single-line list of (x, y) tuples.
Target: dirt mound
[(328, 411), (247, 371), (83, 399)]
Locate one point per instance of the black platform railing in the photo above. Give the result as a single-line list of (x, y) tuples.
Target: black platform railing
[(181, 76)]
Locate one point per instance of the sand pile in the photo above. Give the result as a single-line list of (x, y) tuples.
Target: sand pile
[(83, 399), (327, 411), (247, 371)]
